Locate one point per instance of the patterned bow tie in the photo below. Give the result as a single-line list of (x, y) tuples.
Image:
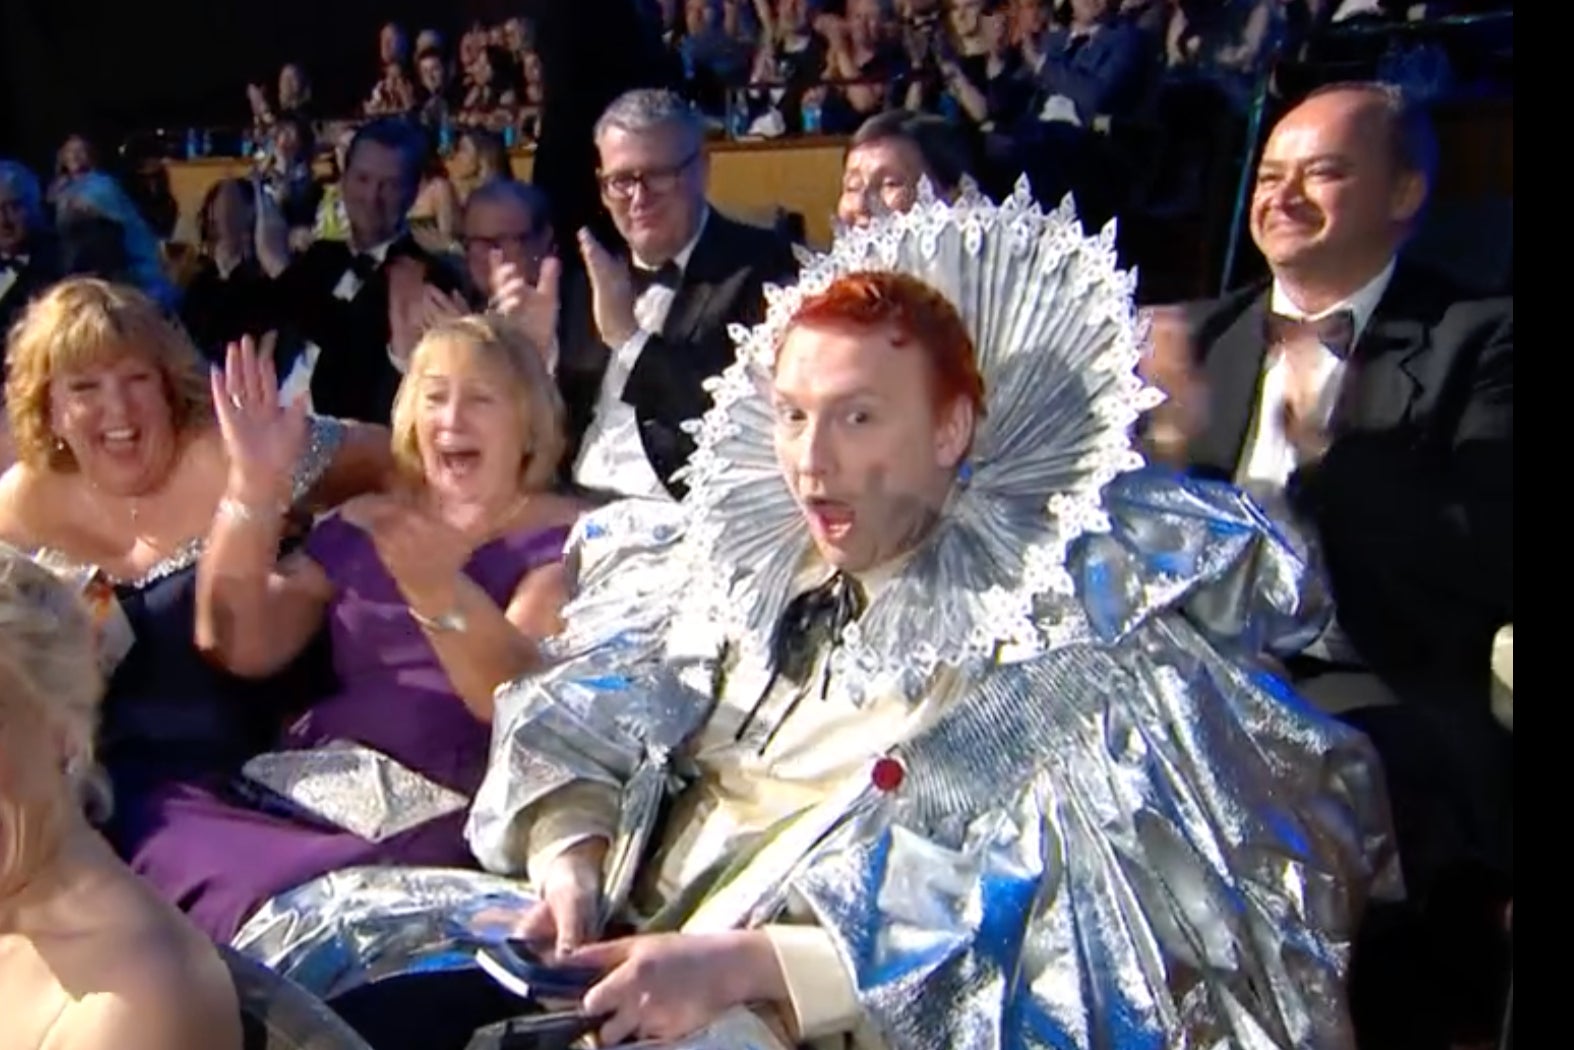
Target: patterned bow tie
[(812, 622), (665, 276), (1335, 331)]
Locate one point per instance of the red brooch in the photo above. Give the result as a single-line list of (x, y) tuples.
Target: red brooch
[(887, 775)]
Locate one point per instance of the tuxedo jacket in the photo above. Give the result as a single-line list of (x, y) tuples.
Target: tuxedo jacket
[(721, 285), (1414, 500), (31, 282), (353, 379)]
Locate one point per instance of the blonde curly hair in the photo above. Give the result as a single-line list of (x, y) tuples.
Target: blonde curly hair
[(82, 323)]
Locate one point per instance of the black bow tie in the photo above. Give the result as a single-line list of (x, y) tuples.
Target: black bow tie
[(667, 275), (1336, 331), (811, 622), (12, 263)]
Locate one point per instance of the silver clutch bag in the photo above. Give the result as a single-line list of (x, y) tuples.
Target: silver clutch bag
[(355, 788)]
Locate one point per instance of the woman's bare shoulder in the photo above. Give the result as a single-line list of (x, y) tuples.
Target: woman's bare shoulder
[(32, 501), (150, 980)]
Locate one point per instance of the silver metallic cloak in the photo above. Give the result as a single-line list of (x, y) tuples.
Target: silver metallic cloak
[(1126, 832)]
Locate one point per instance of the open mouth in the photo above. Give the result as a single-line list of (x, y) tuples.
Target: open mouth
[(829, 517), (120, 441), (459, 462)]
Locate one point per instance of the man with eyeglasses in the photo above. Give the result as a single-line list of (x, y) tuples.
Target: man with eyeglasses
[(655, 329), (511, 259)]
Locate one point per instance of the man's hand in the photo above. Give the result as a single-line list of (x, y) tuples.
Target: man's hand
[(670, 985), (533, 307), (1301, 412), (1170, 365), (611, 292), (570, 899)]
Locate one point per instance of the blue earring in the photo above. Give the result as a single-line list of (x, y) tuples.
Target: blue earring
[(964, 472)]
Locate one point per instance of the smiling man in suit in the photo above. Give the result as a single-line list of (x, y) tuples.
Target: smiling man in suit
[(337, 293), (1378, 400), (633, 366)]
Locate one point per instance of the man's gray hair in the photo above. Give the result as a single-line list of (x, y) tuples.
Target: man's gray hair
[(21, 182), (527, 196), (647, 109)]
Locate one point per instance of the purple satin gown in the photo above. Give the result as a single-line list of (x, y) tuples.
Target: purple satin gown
[(218, 858)]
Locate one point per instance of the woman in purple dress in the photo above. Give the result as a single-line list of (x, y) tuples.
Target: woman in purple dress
[(432, 596)]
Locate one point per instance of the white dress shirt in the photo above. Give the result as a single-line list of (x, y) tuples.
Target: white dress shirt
[(1270, 457), (612, 457), (299, 382)]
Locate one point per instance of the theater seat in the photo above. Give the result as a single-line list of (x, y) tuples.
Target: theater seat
[(277, 1014), (1471, 240)]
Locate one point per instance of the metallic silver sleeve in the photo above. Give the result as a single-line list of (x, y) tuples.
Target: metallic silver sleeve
[(618, 701), (1136, 845), (1250, 580)]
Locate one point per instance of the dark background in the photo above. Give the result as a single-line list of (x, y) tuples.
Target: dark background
[(107, 69)]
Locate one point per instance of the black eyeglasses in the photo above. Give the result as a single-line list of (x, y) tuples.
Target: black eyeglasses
[(621, 185)]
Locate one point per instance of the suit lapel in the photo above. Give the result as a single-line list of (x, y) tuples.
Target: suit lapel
[(1384, 380), (698, 284), (1234, 375)]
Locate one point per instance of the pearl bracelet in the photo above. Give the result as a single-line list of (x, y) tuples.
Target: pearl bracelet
[(246, 513)]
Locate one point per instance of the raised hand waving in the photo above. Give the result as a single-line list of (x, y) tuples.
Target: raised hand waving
[(264, 439)]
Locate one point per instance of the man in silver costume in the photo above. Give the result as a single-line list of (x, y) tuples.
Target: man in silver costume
[(932, 718)]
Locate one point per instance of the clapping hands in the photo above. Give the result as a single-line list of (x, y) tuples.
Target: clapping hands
[(532, 307), (414, 307)]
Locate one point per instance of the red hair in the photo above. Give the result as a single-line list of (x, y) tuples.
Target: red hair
[(912, 312)]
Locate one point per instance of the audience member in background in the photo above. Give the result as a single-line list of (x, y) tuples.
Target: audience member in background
[(792, 57), (120, 471), (532, 97), (655, 328), (511, 257), (1097, 69), (147, 184), (1228, 44), (290, 179), (393, 46), (479, 157), (989, 86), (591, 52), (435, 102), (1378, 400), (101, 234), (89, 958), (434, 217), (74, 159), (433, 596), (862, 50), (230, 294), (492, 94), (428, 40), (27, 251), (517, 37), (470, 46), (890, 155), (712, 61), (337, 293), (294, 98), (393, 94)]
